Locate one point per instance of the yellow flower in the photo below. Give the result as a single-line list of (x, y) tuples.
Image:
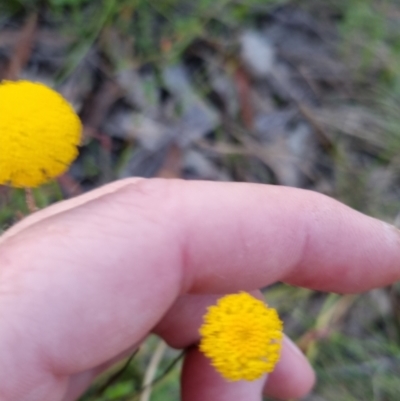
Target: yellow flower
[(39, 134), (242, 337)]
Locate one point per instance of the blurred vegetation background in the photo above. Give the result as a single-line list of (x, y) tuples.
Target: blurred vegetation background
[(283, 92)]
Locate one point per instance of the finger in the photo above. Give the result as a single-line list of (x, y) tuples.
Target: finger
[(293, 376), (201, 382), (180, 325), (79, 383), (84, 272), (312, 238)]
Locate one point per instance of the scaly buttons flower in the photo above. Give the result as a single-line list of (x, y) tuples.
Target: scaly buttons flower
[(242, 337), (39, 134)]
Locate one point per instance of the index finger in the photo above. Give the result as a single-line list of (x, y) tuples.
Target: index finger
[(245, 236)]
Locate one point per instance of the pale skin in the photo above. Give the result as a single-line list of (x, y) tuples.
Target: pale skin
[(83, 282)]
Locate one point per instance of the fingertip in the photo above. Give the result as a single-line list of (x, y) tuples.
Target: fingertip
[(293, 377)]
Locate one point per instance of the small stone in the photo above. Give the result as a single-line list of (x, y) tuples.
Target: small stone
[(257, 53)]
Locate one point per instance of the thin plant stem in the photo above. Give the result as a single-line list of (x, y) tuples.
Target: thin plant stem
[(30, 201), (161, 377), (151, 370)]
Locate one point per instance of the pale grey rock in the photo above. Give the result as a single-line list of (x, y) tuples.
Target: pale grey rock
[(257, 53)]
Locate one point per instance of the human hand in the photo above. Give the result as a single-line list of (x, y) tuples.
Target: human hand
[(83, 282)]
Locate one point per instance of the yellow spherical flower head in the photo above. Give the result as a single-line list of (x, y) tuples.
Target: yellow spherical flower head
[(242, 336), (39, 134)]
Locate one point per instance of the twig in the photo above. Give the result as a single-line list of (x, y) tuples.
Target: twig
[(152, 370), (161, 377), (69, 185), (23, 48), (172, 164), (244, 90), (322, 136)]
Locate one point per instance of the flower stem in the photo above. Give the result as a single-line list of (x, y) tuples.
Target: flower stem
[(30, 201)]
